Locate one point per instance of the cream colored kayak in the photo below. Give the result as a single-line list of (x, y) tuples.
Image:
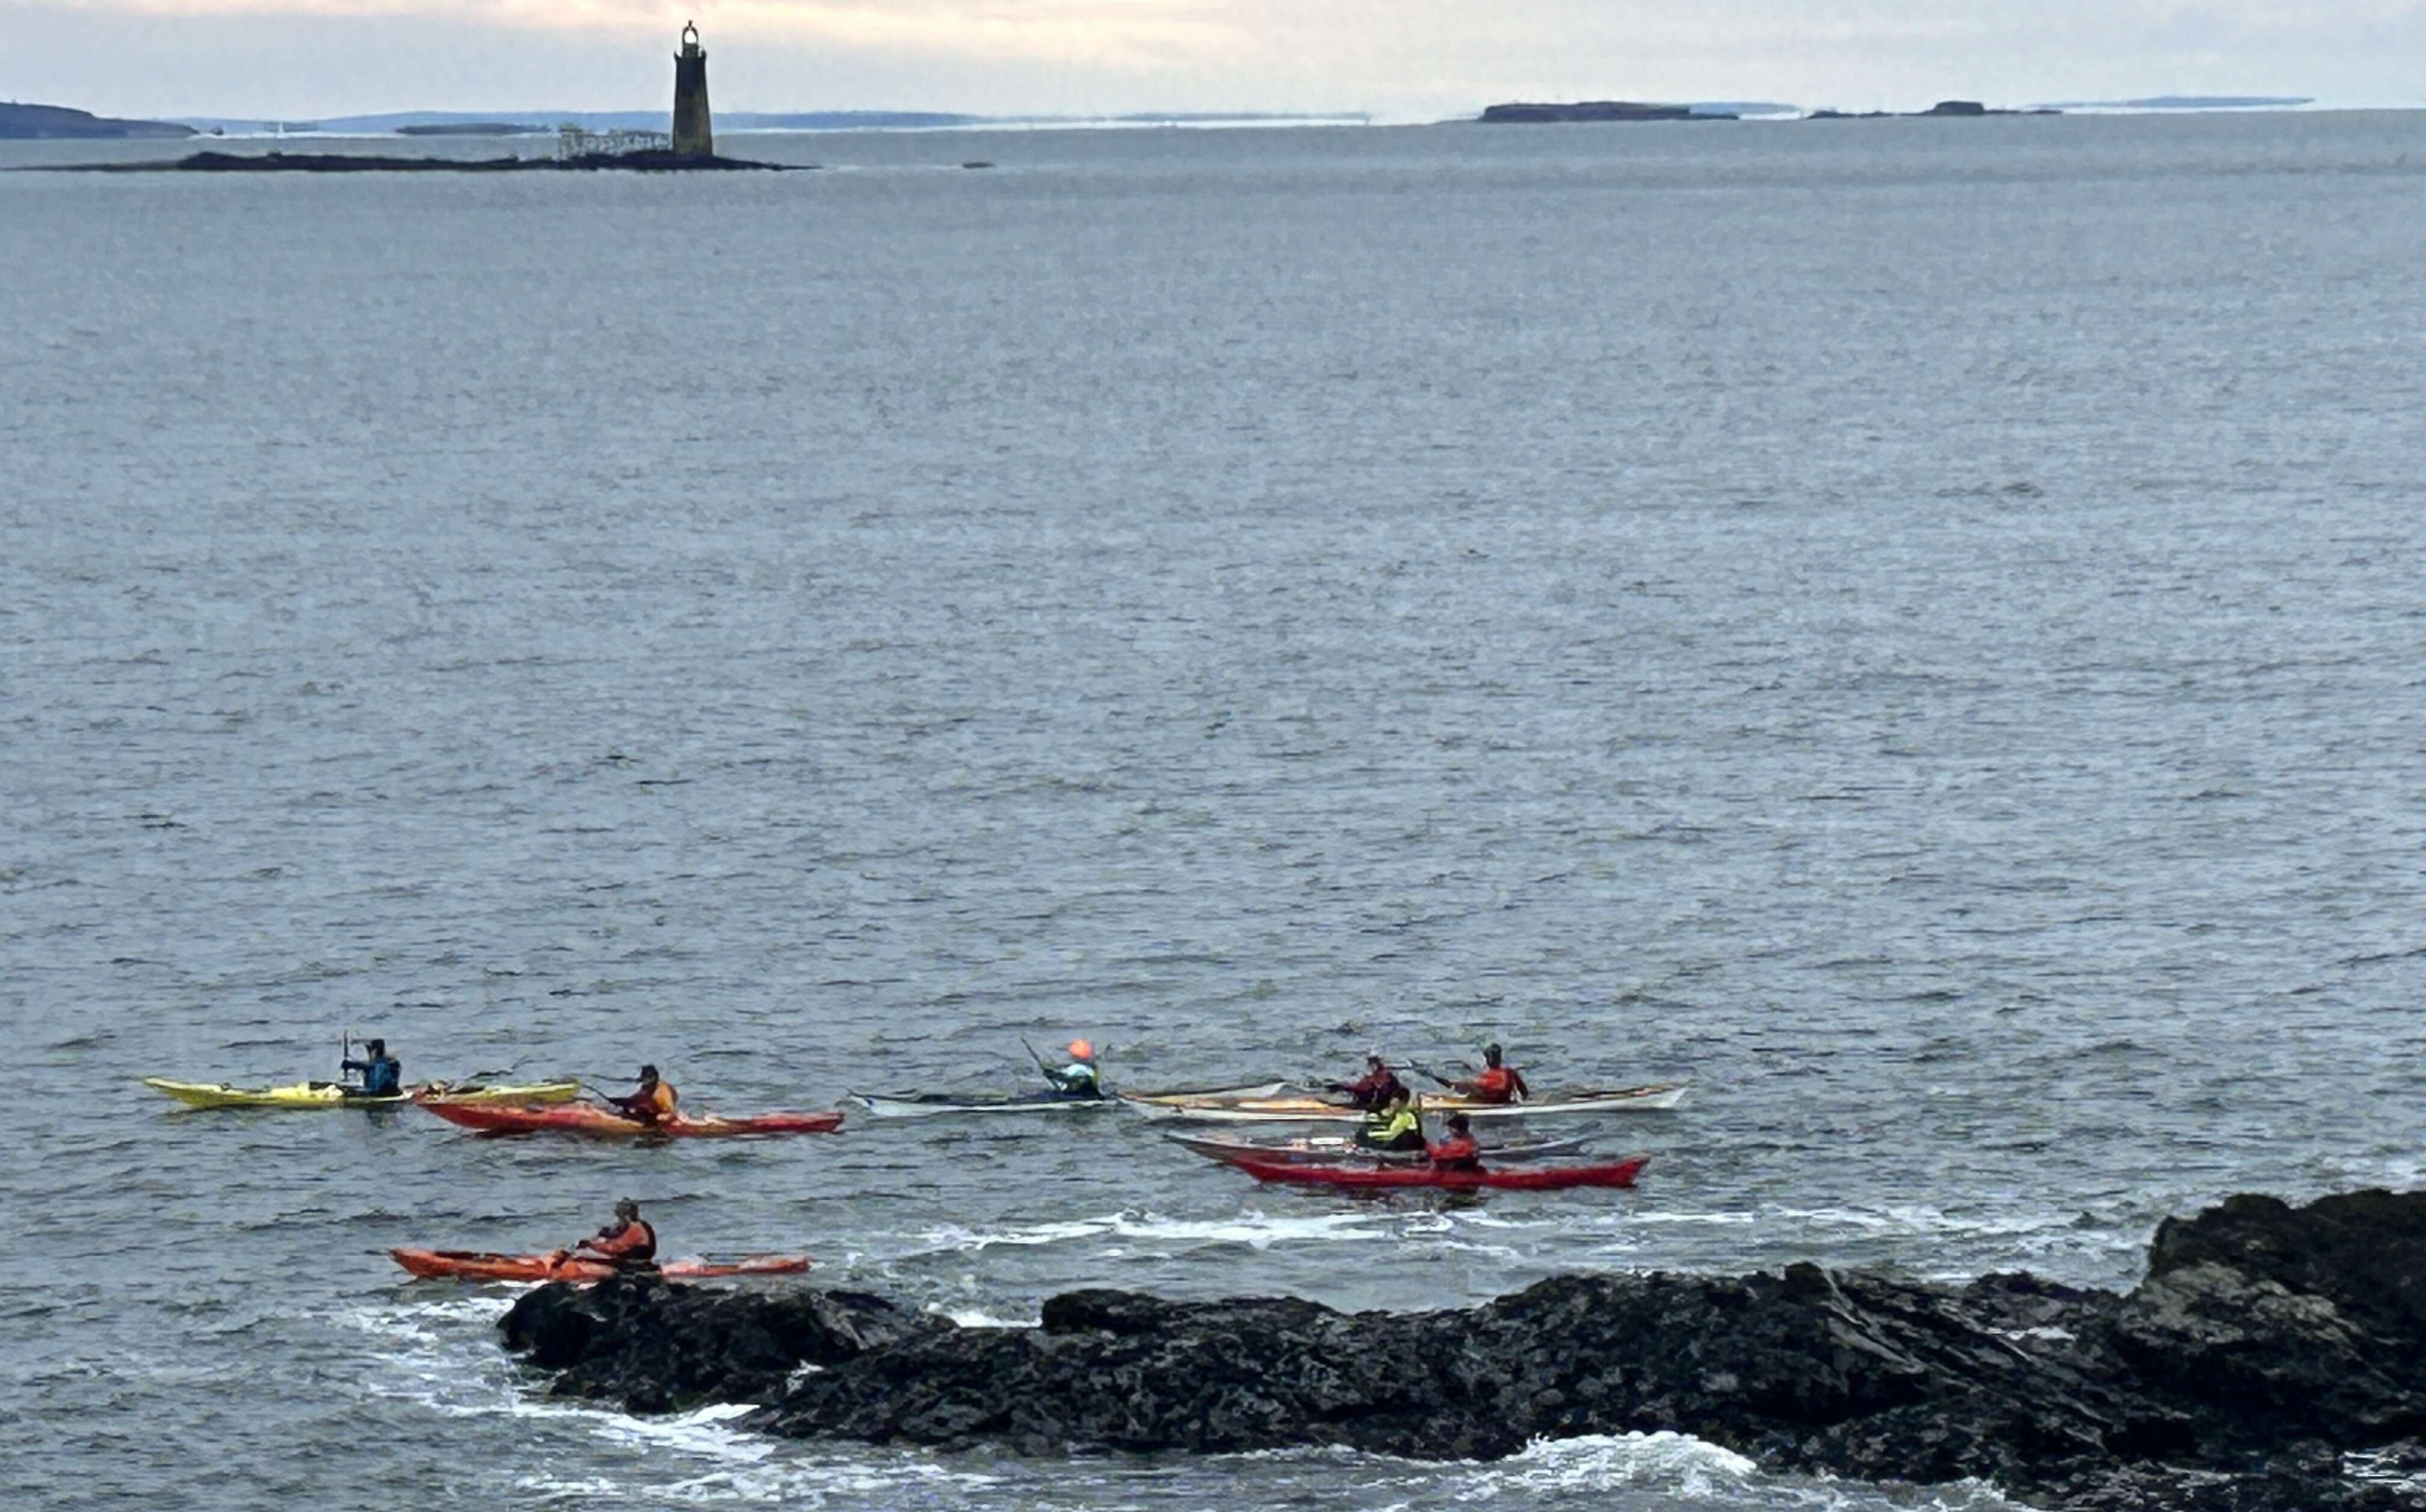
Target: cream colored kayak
[(1657, 1097), (334, 1094)]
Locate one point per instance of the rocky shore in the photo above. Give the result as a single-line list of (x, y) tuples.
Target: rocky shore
[(279, 162), (2273, 1357)]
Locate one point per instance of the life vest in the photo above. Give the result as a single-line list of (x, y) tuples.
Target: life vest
[(630, 1243), (1458, 1153), (1494, 1083), (1078, 1079)]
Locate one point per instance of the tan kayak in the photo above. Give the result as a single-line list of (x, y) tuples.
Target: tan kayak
[(1656, 1097)]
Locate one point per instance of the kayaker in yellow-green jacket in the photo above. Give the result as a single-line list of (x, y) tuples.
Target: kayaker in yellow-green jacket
[(1394, 1125)]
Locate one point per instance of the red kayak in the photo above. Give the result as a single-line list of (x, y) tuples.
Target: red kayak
[(476, 1265), (589, 1119), (1537, 1179)]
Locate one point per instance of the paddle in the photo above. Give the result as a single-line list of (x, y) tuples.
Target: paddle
[(1417, 1066)]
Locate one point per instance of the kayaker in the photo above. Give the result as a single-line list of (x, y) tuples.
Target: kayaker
[(1496, 1083), (383, 1073), (1456, 1150), (628, 1243), (1080, 1078), (1373, 1088), (1394, 1125), (652, 1101)]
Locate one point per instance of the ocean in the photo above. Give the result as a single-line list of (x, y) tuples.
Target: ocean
[(1912, 626)]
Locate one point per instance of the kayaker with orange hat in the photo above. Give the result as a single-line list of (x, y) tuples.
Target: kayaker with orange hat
[(652, 1101), (1080, 1078), (628, 1243)]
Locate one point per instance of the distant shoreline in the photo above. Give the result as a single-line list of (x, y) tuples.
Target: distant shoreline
[(20, 121)]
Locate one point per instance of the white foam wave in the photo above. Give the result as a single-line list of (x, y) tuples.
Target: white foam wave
[(1252, 1229), (979, 1318), (761, 1473), (1676, 1462)]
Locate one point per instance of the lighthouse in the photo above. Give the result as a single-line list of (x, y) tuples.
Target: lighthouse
[(693, 135)]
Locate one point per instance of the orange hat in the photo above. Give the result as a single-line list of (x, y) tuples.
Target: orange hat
[(1080, 1049)]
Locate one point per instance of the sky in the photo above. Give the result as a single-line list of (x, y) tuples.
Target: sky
[(1396, 59)]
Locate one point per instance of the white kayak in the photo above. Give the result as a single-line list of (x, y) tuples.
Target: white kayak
[(1657, 1097), (1343, 1149), (932, 1104)]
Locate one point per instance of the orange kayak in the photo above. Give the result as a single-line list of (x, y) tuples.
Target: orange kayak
[(476, 1265), (589, 1119)]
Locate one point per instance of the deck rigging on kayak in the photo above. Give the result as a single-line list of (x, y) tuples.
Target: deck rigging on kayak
[(591, 1119), (335, 1095), (627, 1246), (1305, 1108)]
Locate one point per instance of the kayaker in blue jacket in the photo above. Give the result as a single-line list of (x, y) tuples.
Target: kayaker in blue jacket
[(1079, 1079), (383, 1073)]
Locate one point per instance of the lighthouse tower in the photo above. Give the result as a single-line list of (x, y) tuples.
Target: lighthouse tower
[(693, 135)]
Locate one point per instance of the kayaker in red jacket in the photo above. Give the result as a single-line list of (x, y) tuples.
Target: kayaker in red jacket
[(652, 1101), (1456, 1150), (1373, 1088), (1495, 1082), (628, 1243)]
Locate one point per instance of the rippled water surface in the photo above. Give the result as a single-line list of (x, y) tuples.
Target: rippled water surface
[(1913, 625)]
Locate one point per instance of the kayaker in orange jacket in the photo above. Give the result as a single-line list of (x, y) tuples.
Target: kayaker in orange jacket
[(1456, 1150), (652, 1101), (1495, 1082), (628, 1243)]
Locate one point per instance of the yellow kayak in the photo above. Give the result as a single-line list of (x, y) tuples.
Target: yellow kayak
[(335, 1095)]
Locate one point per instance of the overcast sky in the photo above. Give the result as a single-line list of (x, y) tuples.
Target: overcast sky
[(1401, 59)]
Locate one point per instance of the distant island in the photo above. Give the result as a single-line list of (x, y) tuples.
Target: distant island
[(1529, 113), (474, 128), (2190, 102), (1944, 107), (25, 123), (1535, 112)]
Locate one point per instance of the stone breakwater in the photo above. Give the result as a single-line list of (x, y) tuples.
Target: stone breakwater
[(2275, 1356)]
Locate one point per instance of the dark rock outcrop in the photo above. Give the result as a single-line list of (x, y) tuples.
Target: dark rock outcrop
[(654, 1346), (652, 161), (2272, 1354)]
